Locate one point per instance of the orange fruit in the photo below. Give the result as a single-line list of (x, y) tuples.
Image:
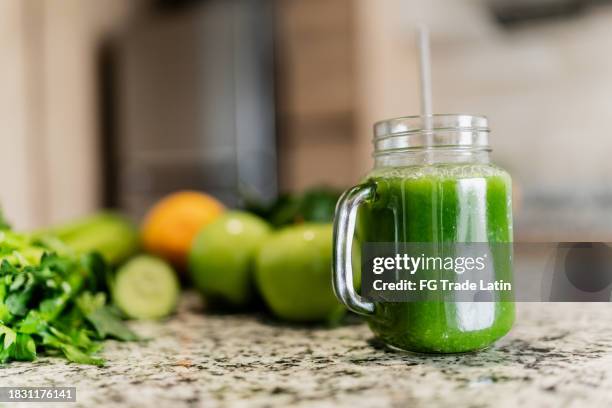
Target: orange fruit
[(171, 225)]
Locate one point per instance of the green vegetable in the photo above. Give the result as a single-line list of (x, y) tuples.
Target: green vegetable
[(105, 320), (107, 233), (146, 288), (315, 205), (48, 304), (4, 225)]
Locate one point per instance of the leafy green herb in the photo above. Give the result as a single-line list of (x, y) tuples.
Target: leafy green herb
[(50, 301), (314, 205), (103, 318), (76, 355)]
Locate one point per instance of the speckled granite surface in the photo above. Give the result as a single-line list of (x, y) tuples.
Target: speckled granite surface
[(557, 355)]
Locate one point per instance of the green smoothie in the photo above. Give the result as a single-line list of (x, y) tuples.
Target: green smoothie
[(441, 203)]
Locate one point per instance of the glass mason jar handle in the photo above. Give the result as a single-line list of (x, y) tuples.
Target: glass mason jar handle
[(344, 230)]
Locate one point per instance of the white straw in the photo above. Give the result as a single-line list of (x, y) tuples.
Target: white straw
[(425, 71)]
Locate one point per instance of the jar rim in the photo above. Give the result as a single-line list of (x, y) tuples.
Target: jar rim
[(434, 131), (443, 121)]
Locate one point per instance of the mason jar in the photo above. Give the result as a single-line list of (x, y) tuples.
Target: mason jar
[(433, 183)]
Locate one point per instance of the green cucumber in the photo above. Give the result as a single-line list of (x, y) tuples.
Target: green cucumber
[(108, 233), (146, 288)]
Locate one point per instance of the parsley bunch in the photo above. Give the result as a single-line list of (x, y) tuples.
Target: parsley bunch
[(53, 301)]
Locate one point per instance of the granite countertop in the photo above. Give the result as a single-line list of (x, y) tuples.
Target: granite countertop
[(557, 355)]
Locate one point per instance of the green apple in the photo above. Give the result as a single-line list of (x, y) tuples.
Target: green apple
[(222, 255), (293, 273)]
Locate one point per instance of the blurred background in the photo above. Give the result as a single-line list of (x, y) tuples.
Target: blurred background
[(117, 103)]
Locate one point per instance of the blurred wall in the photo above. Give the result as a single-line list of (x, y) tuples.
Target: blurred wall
[(342, 65), (545, 87), (15, 174), (315, 93), (48, 106)]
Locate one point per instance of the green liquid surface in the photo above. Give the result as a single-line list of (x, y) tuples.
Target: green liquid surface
[(440, 204)]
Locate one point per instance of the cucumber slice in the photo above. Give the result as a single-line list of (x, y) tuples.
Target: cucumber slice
[(146, 288)]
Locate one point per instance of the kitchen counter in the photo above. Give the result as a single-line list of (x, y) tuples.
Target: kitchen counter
[(557, 354)]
